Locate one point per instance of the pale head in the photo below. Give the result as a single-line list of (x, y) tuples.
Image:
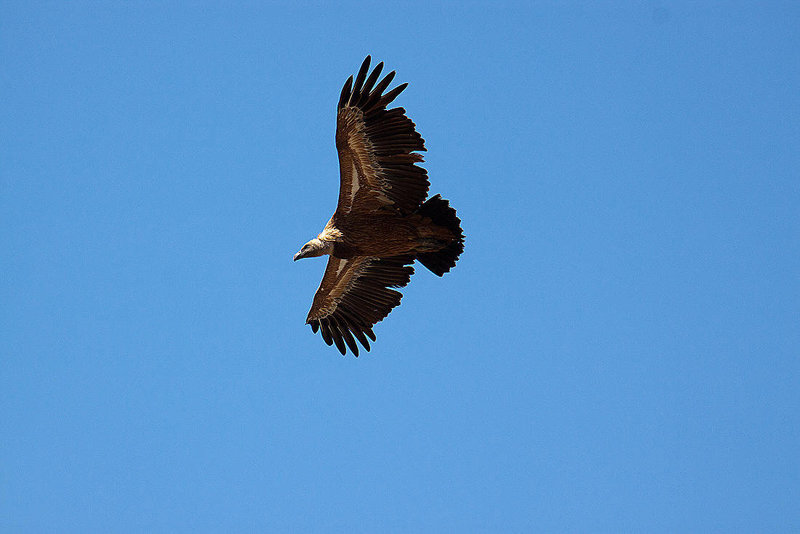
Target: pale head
[(315, 247)]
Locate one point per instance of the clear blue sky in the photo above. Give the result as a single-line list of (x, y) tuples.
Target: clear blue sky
[(618, 348)]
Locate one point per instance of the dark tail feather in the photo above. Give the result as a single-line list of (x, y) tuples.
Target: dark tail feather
[(443, 260), (440, 212)]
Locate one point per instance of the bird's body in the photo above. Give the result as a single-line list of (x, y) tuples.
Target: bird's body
[(383, 235), (382, 222)]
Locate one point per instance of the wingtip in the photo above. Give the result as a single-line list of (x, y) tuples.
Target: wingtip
[(344, 97), (365, 65)]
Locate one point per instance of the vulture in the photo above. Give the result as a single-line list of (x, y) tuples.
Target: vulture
[(382, 222)]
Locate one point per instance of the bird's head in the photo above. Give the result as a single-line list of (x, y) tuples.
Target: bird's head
[(315, 247)]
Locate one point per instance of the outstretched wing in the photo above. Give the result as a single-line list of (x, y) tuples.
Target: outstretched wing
[(354, 295), (377, 148)]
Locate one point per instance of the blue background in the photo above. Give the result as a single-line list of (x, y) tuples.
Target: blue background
[(616, 350)]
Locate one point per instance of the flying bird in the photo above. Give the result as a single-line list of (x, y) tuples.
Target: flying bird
[(382, 222)]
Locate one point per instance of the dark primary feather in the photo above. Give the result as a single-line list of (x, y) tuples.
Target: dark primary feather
[(362, 73), (369, 84), (378, 91), (345, 96)]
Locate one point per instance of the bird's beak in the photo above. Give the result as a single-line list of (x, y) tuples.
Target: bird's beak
[(298, 256)]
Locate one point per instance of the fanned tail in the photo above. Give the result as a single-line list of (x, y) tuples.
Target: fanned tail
[(439, 211)]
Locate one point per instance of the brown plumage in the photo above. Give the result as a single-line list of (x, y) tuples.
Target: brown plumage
[(382, 222)]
